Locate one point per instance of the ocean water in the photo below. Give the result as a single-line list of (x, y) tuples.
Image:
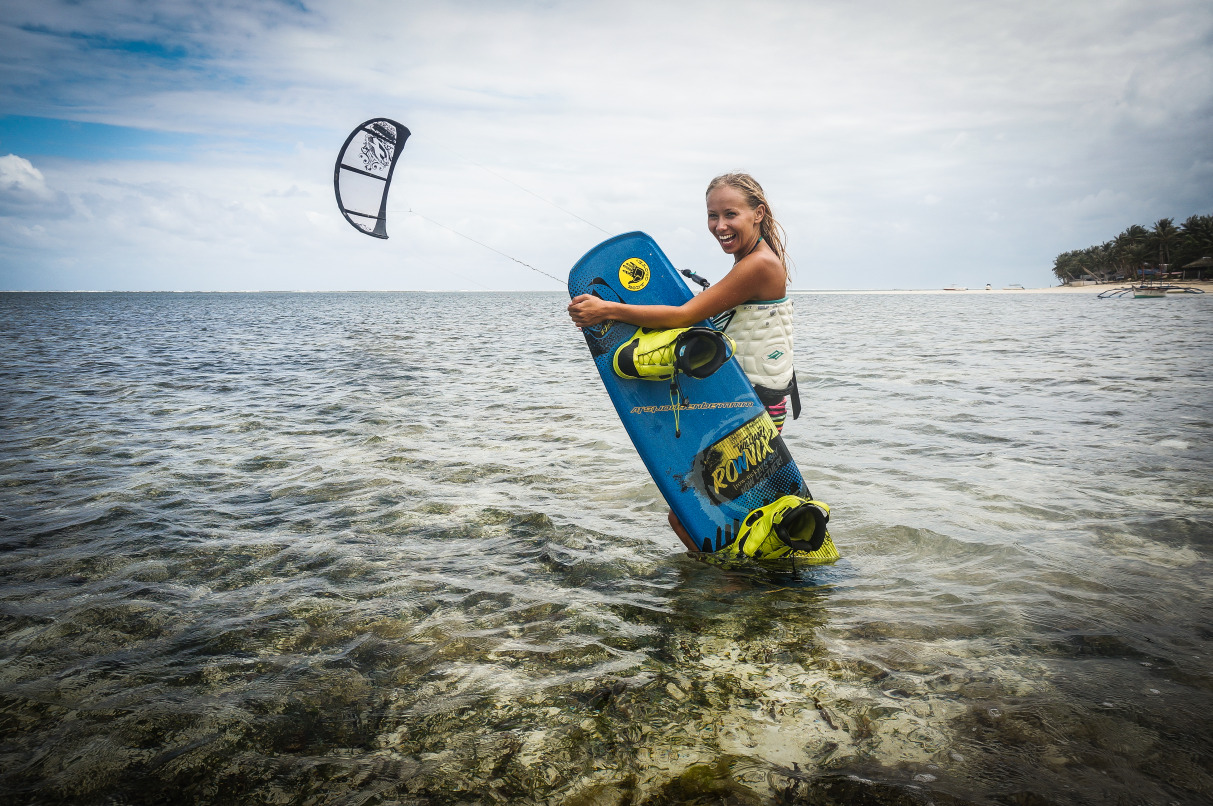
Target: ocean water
[(396, 548)]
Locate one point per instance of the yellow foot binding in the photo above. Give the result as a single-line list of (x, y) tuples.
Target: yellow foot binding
[(656, 355), (791, 528)]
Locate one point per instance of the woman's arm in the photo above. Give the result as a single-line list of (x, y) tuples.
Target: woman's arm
[(754, 277)]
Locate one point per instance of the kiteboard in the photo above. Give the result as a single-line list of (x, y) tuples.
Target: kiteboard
[(715, 455)]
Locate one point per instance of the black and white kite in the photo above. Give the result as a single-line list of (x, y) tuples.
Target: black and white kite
[(364, 172)]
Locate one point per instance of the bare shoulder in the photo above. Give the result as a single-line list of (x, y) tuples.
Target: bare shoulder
[(764, 273)]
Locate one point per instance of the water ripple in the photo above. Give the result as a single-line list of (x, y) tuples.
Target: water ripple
[(397, 548)]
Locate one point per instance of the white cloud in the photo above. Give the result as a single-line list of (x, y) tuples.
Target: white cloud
[(859, 118), (22, 183)]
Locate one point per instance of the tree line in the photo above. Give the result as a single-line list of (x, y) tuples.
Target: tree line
[(1139, 253)]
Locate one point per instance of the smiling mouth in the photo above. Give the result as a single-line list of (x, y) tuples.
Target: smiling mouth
[(726, 239)]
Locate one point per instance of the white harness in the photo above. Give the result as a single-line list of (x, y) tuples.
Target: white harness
[(763, 333)]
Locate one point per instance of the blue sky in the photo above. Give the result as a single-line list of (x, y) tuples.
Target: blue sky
[(189, 146), (94, 142)]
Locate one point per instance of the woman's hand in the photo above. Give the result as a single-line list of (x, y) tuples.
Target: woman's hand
[(587, 309)]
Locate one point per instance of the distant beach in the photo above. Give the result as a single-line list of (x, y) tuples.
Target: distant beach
[(1091, 288)]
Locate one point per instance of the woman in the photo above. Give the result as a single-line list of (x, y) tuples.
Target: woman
[(750, 303)]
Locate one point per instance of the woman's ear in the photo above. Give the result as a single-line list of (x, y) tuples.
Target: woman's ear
[(760, 212)]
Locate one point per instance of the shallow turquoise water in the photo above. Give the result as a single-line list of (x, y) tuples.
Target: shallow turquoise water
[(328, 548)]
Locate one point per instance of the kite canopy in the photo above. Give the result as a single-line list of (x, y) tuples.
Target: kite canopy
[(364, 172)]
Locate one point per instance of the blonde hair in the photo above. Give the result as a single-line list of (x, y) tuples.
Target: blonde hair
[(771, 230)]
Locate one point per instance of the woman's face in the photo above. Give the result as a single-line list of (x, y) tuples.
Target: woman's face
[(731, 221)]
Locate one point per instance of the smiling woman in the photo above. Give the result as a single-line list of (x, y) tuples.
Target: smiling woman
[(750, 303), (739, 218), (754, 291)]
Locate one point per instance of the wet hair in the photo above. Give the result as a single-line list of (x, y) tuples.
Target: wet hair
[(771, 230)]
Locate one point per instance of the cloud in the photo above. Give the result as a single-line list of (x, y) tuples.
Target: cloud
[(866, 122), (21, 182), (24, 192)]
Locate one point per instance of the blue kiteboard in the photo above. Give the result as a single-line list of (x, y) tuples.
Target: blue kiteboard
[(724, 458)]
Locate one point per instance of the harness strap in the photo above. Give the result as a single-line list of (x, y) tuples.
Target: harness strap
[(795, 397), (770, 397)]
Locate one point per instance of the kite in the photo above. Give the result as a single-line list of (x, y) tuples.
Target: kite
[(363, 173)]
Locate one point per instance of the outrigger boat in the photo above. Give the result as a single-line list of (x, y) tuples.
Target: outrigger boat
[(1149, 291)]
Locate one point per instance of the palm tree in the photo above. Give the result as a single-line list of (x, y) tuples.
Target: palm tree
[(1126, 254), (1130, 247), (1066, 266), (1198, 231), (1195, 240), (1094, 261), (1164, 236)]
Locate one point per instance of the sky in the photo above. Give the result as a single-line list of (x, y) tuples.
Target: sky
[(174, 145)]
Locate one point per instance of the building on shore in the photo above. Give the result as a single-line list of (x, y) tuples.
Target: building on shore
[(1201, 268)]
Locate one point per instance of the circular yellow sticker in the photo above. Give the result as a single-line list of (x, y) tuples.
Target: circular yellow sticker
[(634, 274)]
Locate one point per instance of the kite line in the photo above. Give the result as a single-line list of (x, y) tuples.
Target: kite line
[(363, 174), (485, 245)]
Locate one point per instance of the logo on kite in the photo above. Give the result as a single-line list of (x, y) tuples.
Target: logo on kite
[(364, 172)]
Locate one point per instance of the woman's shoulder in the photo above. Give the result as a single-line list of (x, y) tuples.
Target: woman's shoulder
[(769, 275)]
